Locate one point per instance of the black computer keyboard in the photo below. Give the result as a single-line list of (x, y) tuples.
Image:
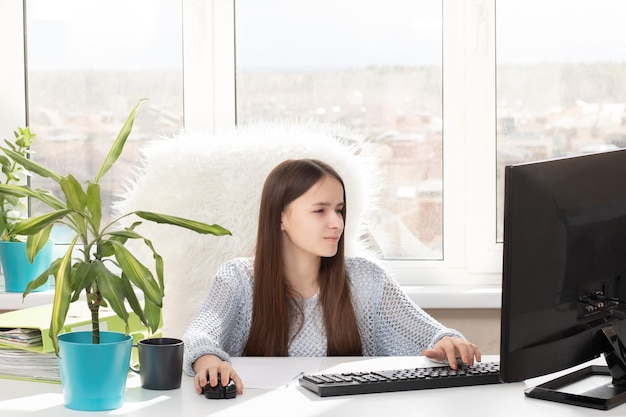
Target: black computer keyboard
[(326, 385)]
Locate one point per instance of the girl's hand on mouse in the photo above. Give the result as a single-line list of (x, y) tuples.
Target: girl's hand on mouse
[(207, 368), (450, 348)]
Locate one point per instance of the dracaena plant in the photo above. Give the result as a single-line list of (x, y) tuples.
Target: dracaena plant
[(106, 271), (12, 207)]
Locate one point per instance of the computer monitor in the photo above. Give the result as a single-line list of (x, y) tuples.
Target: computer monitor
[(564, 275)]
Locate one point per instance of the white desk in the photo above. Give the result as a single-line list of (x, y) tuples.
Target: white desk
[(20, 398)]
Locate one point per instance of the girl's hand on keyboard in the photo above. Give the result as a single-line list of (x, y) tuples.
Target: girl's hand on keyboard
[(450, 348)]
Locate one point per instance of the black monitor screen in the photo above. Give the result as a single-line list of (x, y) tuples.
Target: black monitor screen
[(564, 264)]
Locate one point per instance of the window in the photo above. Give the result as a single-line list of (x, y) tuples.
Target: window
[(371, 66), (430, 63), (561, 85), (88, 65)]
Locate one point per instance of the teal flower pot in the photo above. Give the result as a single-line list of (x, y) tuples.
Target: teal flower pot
[(18, 272), (94, 376)]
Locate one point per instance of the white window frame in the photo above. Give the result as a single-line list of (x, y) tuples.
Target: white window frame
[(12, 72), (472, 258)]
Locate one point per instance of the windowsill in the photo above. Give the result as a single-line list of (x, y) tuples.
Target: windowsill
[(455, 296), (425, 296), (15, 301)]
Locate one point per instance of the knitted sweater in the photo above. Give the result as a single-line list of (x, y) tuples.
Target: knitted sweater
[(390, 324)]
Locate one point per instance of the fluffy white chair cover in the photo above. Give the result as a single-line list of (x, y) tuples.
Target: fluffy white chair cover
[(218, 179)]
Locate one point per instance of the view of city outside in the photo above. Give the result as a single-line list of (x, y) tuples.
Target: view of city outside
[(561, 80), (85, 74), (89, 63), (371, 66)]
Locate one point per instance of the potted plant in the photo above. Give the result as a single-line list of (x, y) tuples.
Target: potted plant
[(106, 272), (18, 270)]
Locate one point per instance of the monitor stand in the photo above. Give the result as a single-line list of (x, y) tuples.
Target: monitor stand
[(602, 397)]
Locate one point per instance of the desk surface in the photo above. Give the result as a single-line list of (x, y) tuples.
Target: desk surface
[(22, 398)]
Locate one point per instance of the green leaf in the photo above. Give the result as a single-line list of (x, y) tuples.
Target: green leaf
[(42, 278), (94, 204), (106, 248), (5, 162), (133, 301), (23, 137), (112, 290), (33, 225), (31, 165), (158, 263), (118, 144), (158, 259), (74, 194), (49, 199), (45, 197), (37, 241), (196, 226), (120, 236), (138, 274), (82, 278), (125, 234), (62, 294), (153, 316)]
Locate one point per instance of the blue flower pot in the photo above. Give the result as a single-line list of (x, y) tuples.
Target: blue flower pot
[(18, 272), (94, 376)]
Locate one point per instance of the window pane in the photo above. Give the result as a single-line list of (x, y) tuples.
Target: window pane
[(561, 80), (374, 66), (88, 65)]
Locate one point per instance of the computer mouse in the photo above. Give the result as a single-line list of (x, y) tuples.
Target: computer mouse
[(219, 392)]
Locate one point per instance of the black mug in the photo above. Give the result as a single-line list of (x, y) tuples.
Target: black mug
[(160, 363)]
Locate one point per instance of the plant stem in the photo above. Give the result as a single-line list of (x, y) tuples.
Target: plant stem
[(94, 307)]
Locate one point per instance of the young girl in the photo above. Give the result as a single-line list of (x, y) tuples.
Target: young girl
[(300, 296)]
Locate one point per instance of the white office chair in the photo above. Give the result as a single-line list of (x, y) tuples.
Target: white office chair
[(218, 179)]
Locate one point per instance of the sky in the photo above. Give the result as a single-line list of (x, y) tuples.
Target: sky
[(532, 31), (328, 34), (104, 34)]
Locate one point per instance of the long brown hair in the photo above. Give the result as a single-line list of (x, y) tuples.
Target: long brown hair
[(275, 309)]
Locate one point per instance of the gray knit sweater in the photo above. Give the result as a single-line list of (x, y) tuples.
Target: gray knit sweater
[(390, 323)]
